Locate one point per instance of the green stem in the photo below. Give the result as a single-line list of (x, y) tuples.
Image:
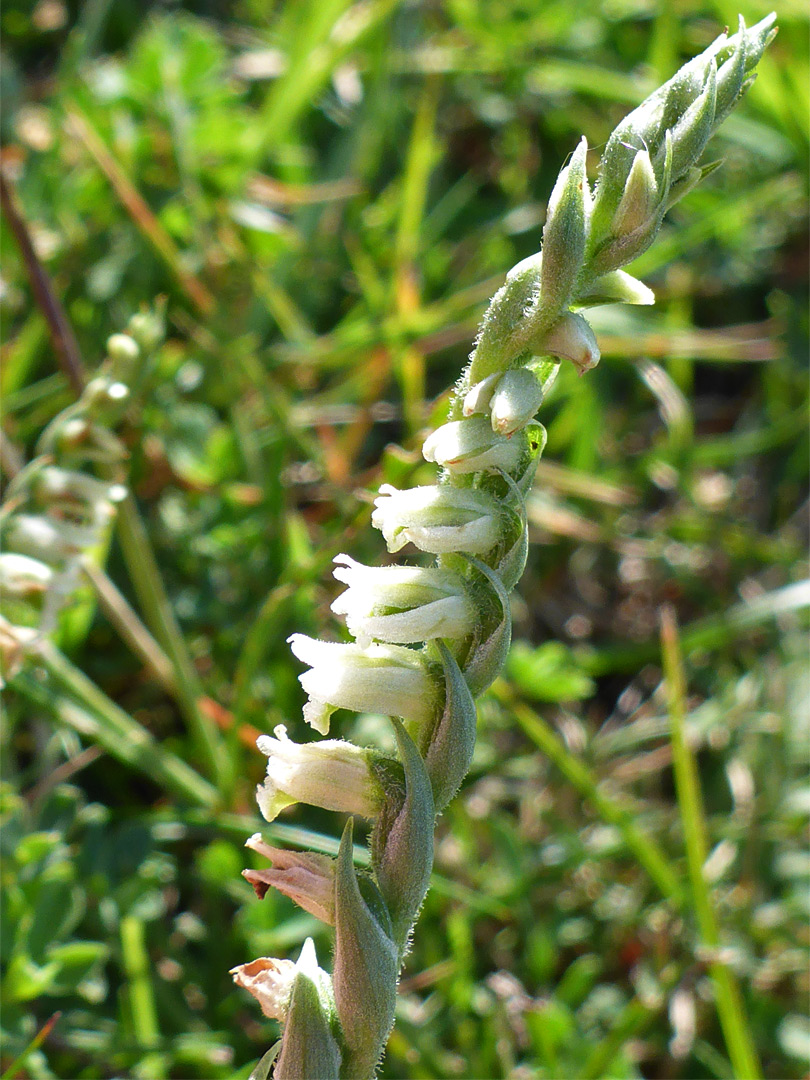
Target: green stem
[(140, 993), (650, 857), (730, 1008), (86, 709), (148, 584)]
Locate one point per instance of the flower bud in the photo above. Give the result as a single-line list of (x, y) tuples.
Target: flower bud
[(402, 604), (572, 337), (470, 445), (386, 679), (639, 201), (616, 287), (46, 538), (334, 774), (305, 877), (147, 328), (23, 577), (437, 519), (478, 397), (565, 234), (123, 348), (517, 398)]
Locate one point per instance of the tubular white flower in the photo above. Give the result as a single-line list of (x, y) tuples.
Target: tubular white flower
[(305, 877), (402, 604), (334, 774), (470, 445), (48, 539), (437, 519), (385, 679), (22, 576)]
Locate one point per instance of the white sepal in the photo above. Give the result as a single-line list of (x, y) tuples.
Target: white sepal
[(477, 399)]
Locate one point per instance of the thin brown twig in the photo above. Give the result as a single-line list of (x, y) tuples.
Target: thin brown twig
[(62, 336)]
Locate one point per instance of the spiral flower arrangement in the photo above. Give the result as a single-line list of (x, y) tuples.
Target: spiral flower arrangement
[(428, 640), (59, 511)]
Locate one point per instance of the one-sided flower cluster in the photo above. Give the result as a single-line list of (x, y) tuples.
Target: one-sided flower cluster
[(428, 638)]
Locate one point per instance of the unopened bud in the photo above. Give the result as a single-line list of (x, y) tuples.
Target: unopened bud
[(616, 287), (640, 199), (123, 348), (517, 398), (573, 338), (147, 329)]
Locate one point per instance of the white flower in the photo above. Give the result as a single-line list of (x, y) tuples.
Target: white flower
[(334, 774), (402, 604), (305, 877), (572, 337), (48, 538), (438, 519), (22, 576), (385, 679), (470, 445)]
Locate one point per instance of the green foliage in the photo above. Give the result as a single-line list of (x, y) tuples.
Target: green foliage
[(325, 255)]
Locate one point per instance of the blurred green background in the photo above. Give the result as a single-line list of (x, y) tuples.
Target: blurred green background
[(326, 193)]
